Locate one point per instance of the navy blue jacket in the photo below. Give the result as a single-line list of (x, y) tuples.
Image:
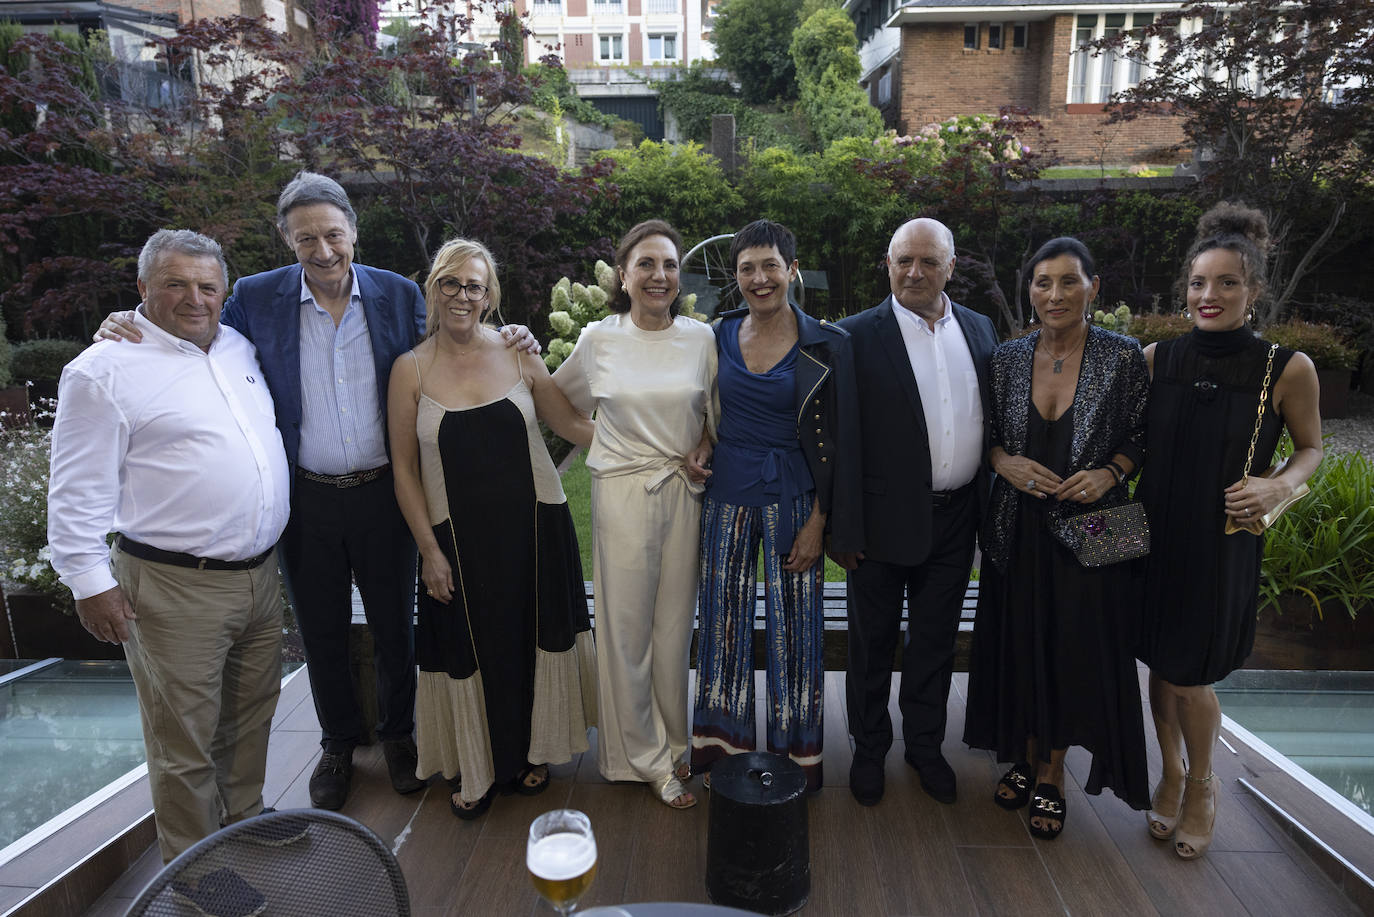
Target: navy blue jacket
[(265, 308)]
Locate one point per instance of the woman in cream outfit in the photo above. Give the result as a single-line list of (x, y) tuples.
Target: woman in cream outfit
[(649, 375)]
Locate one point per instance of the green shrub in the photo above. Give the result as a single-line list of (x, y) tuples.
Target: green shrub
[(42, 360), (1323, 343), (6, 355), (1152, 327), (1323, 547)]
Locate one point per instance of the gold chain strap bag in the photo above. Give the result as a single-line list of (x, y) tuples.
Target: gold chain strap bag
[(1257, 525)]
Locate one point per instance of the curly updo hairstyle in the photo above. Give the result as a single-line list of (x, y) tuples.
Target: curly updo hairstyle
[(620, 302), (1235, 227)]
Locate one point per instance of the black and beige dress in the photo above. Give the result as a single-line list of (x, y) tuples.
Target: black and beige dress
[(508, 666)]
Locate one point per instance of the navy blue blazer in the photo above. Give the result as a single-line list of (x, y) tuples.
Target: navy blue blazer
[(893, 439), (265, 308)]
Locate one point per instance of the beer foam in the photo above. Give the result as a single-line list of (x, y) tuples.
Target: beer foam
[(561, 856)]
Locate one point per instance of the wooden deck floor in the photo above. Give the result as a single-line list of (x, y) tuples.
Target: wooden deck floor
[(908, 855)]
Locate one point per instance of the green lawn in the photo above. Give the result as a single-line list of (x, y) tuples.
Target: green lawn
[(577, 483), (1095, 172)]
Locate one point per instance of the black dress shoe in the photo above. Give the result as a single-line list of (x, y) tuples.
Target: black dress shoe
[(937, 777), (329, 783), (866, 780), (401, 759)]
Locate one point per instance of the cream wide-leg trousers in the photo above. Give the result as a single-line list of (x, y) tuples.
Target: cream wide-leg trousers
[(646, 546)]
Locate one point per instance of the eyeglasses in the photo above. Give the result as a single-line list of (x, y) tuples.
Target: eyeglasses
[(452, 286)]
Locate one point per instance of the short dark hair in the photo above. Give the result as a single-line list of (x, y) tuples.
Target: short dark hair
[(764, 234), (620, 302), (1064, 245), (313, 188)]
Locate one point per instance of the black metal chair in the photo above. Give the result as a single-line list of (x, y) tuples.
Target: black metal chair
[(288, 864)]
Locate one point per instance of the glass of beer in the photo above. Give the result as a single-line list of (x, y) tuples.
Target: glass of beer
[(561, 857)]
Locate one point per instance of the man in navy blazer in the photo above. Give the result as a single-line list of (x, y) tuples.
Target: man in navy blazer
[(921, 365), (327, 331)]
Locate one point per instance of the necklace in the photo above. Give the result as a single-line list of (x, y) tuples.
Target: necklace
[(1059, 361)]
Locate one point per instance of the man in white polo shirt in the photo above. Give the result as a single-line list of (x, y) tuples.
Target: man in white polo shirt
[(174, 448)]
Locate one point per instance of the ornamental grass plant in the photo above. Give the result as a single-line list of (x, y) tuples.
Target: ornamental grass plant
[(1323, 547)]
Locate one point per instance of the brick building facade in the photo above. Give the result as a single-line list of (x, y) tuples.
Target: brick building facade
[(924, 63)]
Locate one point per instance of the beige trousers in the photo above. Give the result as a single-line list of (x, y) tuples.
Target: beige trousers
[(646, 548), (205, 654)]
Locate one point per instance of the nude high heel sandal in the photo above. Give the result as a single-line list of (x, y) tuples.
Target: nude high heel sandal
[(1191, 846), (1162, 826)]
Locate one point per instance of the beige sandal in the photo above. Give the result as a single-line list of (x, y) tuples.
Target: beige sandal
[(670, 791), (1191, 846), (1161, 825)]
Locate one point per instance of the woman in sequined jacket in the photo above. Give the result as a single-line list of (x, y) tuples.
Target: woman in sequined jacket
[(1052, 661)]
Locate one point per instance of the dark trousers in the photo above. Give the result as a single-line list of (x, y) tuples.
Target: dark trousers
[(334, 537), (934, 592)]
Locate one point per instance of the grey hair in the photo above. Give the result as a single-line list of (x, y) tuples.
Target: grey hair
[(182, 242), (946, 235), (313, 188)]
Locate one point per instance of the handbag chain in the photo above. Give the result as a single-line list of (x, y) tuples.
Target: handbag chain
[(1259, 418)]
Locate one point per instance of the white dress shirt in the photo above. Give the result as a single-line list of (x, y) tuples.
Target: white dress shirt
[(342, 428), (172, 446), (948, 383)]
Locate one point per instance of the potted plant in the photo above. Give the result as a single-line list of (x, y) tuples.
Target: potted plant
[(1316, 608), (1334, 358), (41, 619)]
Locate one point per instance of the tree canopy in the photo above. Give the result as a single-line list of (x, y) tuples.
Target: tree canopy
[(752, 41), (1278, 101), (828, 68)]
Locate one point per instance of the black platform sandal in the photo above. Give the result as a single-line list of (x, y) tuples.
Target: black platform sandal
[(531, 789), (1047, 804), (474, 811), (1017, 782)]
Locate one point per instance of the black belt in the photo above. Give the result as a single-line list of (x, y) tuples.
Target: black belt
[(177, 559), (352, 479), (946, 497)]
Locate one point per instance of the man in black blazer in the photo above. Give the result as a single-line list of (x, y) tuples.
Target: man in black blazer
[(921, 363)]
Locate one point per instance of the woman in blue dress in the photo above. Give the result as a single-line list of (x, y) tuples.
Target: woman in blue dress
[(785, 477)]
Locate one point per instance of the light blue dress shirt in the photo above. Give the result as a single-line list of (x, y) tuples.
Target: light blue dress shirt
[(342, 428)]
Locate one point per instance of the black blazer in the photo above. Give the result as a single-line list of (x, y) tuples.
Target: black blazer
[(893, 437)]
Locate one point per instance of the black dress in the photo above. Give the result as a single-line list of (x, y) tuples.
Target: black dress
[(507, 667), (1052, 646), (1201, 585)]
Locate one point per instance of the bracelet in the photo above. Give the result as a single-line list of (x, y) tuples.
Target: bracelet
[(1117, 470)]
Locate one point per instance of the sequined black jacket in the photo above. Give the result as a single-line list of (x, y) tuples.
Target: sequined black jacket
[(1108, 418)]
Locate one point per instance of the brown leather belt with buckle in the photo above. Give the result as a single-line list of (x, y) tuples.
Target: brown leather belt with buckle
[(352, 479), (177, 559)]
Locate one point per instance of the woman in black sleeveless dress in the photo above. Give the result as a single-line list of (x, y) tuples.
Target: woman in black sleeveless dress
[(1200, 595), (1052, 662)]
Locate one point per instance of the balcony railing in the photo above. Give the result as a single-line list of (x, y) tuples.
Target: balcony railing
[(660, 6)]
